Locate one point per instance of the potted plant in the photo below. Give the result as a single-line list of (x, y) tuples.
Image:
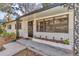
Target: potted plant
[(66, 41)]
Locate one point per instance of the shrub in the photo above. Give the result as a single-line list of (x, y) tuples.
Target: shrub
[(66, 41), (6, 34), (1, 31), (10, 35)]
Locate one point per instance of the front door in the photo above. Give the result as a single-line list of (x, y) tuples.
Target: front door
[(30, 29)]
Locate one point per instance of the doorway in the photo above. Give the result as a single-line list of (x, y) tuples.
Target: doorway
[(30, 29)]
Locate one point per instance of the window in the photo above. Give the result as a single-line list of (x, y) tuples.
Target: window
[(47, 26), (61, 24), (41, 26), (15, 26), (57, 24), (38, 28), (20, 25), (50, 25), (9, 26)]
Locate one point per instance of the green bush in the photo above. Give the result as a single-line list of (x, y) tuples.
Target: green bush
[(6, 34), (11, 35), (66, 41), (1, 31)]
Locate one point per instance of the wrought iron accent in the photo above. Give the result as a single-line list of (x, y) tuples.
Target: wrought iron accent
[(76, 28), (75, 6)]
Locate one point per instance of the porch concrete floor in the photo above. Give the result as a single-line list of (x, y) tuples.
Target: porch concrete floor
[(43, 48)]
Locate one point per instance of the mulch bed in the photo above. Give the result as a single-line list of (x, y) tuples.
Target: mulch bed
[(51, 40)]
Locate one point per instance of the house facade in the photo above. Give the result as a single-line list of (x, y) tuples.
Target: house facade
[(50, 26), (10, 24)]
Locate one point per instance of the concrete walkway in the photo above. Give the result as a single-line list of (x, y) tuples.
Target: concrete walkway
[(11, 49), (43, 48)]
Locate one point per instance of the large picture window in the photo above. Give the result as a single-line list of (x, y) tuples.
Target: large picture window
[(58, 24)]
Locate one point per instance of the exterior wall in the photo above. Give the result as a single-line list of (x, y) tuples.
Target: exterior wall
[(24, 31), (36, 16), (12, 27)]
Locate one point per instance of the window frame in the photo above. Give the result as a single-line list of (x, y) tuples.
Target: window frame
[(53, 26), (9, 26), (20, 25)]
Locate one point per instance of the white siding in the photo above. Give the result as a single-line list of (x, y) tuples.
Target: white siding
[(24, 31), (12, 27)]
